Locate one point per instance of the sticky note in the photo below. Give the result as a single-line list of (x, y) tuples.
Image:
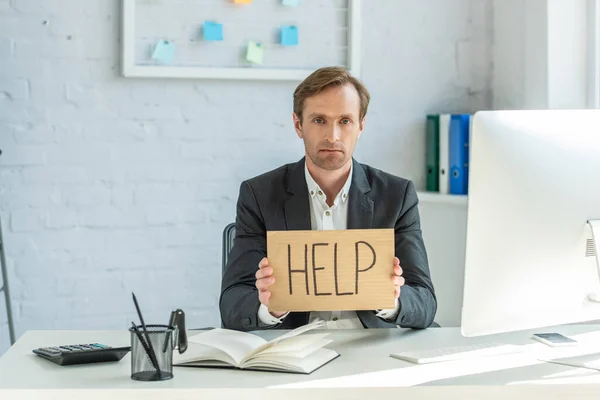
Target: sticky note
[(289, 35), (291, 3), (164, 51), (255, 53), (213, 31), (242, 1)]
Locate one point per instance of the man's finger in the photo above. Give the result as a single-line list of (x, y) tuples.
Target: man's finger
[(398, 270), (263, 263), (264, 272), (263, 297), (398, 281), (396, 261), (263, 284)]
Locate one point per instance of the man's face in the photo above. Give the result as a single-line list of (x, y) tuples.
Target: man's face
[(330, 126)]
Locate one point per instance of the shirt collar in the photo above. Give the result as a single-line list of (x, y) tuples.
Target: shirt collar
[(315, 190)]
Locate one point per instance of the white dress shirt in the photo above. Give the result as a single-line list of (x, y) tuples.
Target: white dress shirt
[(323, 217)]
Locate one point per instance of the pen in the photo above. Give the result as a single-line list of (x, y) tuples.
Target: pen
[(150, 348)]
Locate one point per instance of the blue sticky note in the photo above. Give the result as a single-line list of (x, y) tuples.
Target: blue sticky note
[(164, 51), (291, 3), (289, 35), (213, 31)]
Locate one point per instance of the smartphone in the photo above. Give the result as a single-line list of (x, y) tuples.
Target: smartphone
[(554, 339)]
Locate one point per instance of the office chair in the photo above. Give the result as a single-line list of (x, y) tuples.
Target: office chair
[(4, 287), (229, 236)]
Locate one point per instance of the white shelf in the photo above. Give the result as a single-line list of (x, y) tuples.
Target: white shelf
[(432, 197)]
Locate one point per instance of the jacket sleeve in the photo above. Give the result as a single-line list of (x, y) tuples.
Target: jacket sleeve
[(239, 302), (418, 303)]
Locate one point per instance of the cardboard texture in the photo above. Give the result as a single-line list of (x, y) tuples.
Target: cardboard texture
[(331, 270)]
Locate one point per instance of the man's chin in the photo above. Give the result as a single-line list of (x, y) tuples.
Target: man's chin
[(331, 163)]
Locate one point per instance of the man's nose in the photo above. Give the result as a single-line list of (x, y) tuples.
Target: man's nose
[(332, 133)]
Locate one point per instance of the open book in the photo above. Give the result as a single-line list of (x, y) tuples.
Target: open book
[(234, 349)]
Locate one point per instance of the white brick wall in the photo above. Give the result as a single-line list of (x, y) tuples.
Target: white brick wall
[(109, 185)]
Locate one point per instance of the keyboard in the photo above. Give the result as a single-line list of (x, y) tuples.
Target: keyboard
[(455, 353), (590, 361)]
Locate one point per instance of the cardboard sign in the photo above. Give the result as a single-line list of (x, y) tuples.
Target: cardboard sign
[(331, 270)]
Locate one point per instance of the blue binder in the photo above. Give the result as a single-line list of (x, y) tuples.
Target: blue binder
[(459, 153)]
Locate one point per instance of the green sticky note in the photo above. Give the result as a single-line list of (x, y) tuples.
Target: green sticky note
[(255, 53)]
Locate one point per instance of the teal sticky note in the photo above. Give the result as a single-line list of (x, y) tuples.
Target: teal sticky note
[(255, 53), (164, 51), (291, 3), (213, 31), (289, 35)]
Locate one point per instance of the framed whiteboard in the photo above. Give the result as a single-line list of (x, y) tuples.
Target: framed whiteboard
[(135, 60)]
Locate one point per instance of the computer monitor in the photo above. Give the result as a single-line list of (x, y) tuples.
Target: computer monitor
[(534, 183)]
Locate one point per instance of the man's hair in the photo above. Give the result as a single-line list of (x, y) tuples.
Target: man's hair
[(324, 78)]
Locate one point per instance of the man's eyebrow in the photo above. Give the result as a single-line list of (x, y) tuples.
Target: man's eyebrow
[(320, 115)]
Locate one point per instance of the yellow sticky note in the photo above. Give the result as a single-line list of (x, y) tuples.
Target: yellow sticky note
[(242, 1), (255, 53)]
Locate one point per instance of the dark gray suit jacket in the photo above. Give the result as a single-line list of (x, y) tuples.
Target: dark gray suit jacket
[(278, 200)]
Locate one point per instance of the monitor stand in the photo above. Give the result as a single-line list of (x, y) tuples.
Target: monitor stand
[(595, 228)]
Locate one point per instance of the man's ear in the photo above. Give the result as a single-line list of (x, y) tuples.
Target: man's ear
[(297, 125), (362, 126)]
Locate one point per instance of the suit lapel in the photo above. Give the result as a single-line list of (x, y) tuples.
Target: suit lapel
[(296, 208), (360, 206)]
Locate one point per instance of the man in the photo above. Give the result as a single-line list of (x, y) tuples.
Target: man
[(327, 189)]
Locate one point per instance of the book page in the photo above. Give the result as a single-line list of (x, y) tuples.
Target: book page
[(294, 345), (235, 343), (304, 328), (285, 336), (199, 352), (298, 352), (303, 365)]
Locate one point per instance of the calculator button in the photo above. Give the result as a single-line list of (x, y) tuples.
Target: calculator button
[(50, 353)]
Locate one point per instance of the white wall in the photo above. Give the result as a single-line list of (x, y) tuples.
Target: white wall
[(540, 54), (109, 185)]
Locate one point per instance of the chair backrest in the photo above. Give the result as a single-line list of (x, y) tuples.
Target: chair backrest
[(4, 288), (228, 237)]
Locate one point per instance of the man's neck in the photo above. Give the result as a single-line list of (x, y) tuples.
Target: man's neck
[(331, 182)]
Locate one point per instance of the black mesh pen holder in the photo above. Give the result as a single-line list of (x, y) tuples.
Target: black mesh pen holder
[(152, 353)]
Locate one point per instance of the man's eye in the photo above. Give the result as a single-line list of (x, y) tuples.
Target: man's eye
[(318, 120), (346, 121)]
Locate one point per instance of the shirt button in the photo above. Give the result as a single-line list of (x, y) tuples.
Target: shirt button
[(320, 193), (312, 192), (335, 318), (327, 213)]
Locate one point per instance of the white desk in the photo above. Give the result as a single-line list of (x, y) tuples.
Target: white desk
[(364, 366)]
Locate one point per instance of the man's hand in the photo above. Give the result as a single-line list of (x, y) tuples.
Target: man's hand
[(397, 278), (264, 279)]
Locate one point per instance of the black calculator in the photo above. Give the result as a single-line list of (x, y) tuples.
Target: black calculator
[(82, 353)]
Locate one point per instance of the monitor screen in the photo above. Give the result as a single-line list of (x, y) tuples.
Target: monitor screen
[(534, 183)]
